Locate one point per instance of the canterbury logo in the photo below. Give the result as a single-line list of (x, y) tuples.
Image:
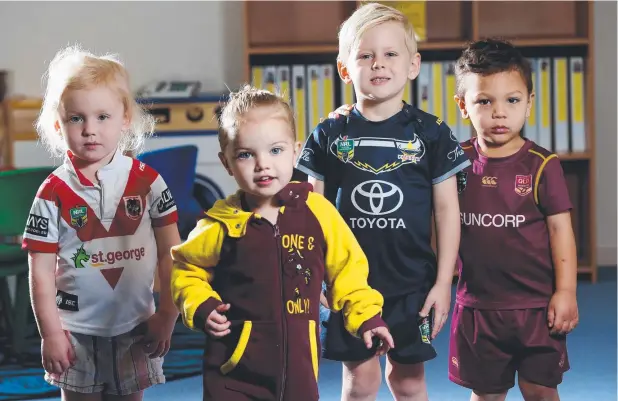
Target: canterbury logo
[(489, 181)]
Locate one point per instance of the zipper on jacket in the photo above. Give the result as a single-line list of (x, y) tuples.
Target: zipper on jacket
[(283, 317)]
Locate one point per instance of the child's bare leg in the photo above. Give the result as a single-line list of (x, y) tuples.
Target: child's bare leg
[(406, 381), (361, 380), (131, 397), (487, 397), (74, 396), (536, 392)]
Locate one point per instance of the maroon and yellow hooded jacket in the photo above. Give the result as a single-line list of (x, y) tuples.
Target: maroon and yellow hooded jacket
[(271, 275)]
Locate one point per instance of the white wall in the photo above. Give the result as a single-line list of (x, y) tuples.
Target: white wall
[(156, 40), (203, 40)]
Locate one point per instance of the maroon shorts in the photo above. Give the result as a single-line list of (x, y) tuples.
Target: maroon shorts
[(487, 347)]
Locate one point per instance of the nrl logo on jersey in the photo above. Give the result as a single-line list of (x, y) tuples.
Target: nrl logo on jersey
[(378, 155), (79, 216)]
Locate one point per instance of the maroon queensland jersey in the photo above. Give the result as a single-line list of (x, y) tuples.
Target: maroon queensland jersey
[(505, 256)]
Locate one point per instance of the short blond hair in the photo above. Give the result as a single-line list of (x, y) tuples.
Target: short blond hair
[(241, 103), (365, 18), (74, 69)]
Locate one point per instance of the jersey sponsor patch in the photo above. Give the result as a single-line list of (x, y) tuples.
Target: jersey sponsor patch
[(166, 202), (66, 301), (377, 198), (489, 181), (37, 225), (462, 181)]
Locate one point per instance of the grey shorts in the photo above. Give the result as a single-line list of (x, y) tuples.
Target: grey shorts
[(111, 365)]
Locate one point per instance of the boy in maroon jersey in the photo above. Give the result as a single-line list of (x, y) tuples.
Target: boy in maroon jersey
[(516, 296)]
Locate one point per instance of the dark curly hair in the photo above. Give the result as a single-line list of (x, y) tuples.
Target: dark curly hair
[(491, 56)]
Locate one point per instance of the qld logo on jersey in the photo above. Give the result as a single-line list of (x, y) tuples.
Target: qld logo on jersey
[(523, 184), (378, 155)]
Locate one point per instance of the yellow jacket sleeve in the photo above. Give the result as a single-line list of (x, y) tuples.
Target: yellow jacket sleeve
[(193, 269), (346, 268)]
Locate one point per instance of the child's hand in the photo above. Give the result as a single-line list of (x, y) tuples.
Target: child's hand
[(217, 324), (386, 340), (324, 301), (439, 298), (155, 334), (341, 111), (57, 352), (562, 314)]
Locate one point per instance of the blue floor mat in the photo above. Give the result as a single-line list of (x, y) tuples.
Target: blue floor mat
[(24, 381)]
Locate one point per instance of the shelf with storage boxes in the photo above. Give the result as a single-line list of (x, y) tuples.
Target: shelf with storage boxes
[(292, 46)]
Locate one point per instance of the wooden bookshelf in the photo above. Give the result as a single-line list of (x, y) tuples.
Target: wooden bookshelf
[(305, 29)]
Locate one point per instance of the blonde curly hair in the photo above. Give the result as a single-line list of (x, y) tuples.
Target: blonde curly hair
[(73, 68)]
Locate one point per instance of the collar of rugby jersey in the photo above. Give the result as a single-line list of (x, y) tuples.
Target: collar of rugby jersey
[(231, 213), (104, 172)]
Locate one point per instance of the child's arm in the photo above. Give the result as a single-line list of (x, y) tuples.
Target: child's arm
[(447, 159), (552, 196), (446, 212), (562, 314), (193, 271), (157, 331), (166, 237), (346, 271), (57, 351)]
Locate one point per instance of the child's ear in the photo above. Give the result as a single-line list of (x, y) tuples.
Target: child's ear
[(343, 72), (461, 103), (530, 104), (225, 164), (297, 147), (415, 67), (126, 122)]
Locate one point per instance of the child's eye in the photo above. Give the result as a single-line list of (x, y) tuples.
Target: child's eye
[(103, 117), (75, 119), (483, 102), (513, 100), (391, 54), (276, 151), (364, 56), (243, 155)]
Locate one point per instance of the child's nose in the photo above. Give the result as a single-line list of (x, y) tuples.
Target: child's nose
[(88, 128), (499, 111), (378, 63), (262, 162)]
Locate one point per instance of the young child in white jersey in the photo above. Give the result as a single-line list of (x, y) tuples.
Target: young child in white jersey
[(99, 226)]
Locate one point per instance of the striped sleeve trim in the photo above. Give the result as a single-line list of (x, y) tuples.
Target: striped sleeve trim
[(539, 173)]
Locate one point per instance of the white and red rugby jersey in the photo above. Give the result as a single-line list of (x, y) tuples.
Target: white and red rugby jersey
[(103, 235)]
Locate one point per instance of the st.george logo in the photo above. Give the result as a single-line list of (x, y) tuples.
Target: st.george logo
[(133, 207)]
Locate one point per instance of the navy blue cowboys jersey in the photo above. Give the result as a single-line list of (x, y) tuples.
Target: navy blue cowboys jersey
[(380, 177)]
